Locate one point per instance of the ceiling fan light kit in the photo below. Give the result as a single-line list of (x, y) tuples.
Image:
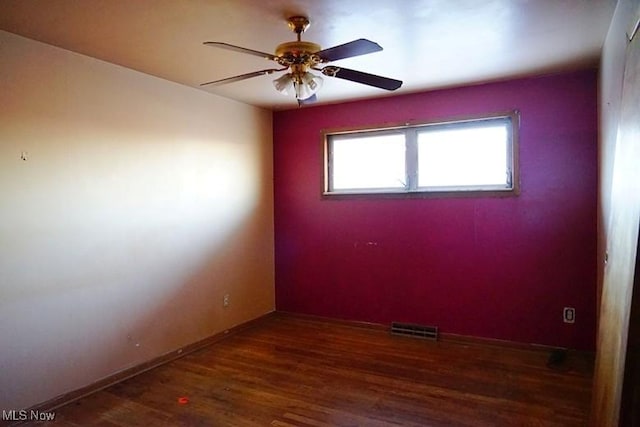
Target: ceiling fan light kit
[(304, 85), (299, 57)]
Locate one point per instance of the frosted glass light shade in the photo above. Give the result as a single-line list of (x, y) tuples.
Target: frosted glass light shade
[(283, 84), (309, 84)]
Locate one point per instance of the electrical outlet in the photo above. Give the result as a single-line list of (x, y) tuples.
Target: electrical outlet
[(569, 315), (225, 300)]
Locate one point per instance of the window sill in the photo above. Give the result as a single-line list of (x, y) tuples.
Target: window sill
[(419, 194)]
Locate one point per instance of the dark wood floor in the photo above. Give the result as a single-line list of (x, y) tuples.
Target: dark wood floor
[(291, 371)]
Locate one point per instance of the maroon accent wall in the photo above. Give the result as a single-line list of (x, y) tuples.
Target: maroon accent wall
[(500, 268)]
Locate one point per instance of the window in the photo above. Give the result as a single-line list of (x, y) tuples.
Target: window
[(457, 157)]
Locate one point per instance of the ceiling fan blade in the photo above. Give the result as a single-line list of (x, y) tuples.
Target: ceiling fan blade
[(242, 77), (347, 50), (362, 77), (241, 50)]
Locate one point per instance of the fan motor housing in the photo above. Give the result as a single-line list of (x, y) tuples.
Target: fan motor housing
[(297, 48)]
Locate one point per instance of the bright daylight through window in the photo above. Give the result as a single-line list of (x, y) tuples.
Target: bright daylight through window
[(477, 155)]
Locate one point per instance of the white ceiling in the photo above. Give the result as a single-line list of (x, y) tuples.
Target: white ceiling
[(427, 43)]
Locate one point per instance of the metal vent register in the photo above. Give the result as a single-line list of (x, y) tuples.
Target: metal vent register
[(418, 331)]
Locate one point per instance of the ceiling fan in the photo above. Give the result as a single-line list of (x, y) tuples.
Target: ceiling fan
[(299, 57)]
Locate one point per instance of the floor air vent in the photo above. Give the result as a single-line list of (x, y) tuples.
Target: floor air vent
[(418, 331)]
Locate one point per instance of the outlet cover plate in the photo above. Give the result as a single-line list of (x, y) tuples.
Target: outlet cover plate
[(569, 315)]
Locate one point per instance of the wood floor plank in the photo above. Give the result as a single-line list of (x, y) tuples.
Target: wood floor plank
[(292, 371)]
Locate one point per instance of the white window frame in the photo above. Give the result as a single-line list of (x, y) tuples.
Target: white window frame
[(411, 188)]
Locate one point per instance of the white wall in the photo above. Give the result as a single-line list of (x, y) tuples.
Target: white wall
[(611, 75), (619, 208), (139, 203)]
